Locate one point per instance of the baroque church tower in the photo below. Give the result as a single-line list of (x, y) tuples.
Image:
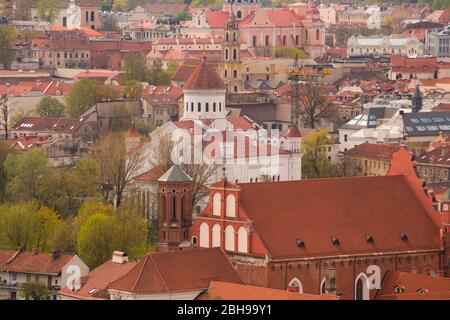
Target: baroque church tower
[(241, 8), (232, 56)]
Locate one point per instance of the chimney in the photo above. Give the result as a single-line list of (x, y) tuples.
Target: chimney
[(119, 257), (56, 254)]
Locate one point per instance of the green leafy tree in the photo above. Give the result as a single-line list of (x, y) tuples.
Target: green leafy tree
[(81, 97), (291, 53), (315, 162), (103, 233), (135, 66), (96, 239), (30, 177), (65, 237), (48, 9), (34, 290), (18, 225), (50, 107), (48, 222), (133, 90), (8, 34), (5, 150)]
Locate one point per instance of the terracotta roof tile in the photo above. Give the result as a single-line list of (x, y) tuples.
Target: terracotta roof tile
[(30, 262), (98, 280), (161, 272), (376, 206), (373, 150), (233, 291), (204, 77), (414, 287)]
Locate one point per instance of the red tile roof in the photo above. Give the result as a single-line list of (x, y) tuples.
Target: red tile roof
[(57, 125), (348, 209), (292, 132), (372, 150), (439, 156), (233, 291), (30, 262), (413, 286), (151, 175), (177, 271), (204, 77), (97, 281), (442, 107)]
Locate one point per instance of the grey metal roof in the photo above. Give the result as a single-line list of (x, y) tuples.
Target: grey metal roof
[(175, 174), (426, 123)]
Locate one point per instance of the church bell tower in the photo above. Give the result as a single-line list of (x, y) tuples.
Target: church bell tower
[(175, 209), (232, 56)]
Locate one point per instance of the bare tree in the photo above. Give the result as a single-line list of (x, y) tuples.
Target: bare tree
[(313, 103), (118, 164), (161, 160)]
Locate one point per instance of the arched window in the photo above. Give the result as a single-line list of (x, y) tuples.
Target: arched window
[(174, 207), (92, 16), (317, 34), (220, 106), (229, 238), (234, 54), (187, 106), (87, 15), (216, 204), (267, 40), (227, 37), (361, 287), (239, 14), (194, 240), (242, 240), (204, 235), (214, 107), (192, 107), (199, 107), (207, 107), (230, 206), (216, 236), (295, 286), (322, 286), (234, 36), (226, 54)]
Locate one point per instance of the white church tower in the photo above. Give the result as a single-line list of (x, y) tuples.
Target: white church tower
[(204, 94)]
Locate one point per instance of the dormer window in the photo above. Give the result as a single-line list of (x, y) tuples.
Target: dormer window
[(399, 289), (403, 237), (335, 241), (300, 243), (369, 239)]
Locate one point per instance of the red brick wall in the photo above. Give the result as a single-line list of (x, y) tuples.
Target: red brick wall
[(311, 273)]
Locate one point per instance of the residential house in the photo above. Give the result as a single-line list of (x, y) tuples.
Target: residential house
[(368, 159), (53, 270)]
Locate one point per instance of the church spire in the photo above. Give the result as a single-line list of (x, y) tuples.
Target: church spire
[(417, 100)]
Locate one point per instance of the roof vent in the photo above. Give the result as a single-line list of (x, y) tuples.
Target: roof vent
[(300, 243), (403, 237), (335, 241), (369, 238)]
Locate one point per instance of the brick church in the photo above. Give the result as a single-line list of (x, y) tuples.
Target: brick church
[(337, 236)]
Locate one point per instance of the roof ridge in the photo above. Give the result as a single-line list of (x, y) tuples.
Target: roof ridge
[(140, 273), (159, 273)]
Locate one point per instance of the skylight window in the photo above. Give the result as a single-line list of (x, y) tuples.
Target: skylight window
[(426, 120), (432, 128), (414, 120), (409, 129), (421, 128)]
